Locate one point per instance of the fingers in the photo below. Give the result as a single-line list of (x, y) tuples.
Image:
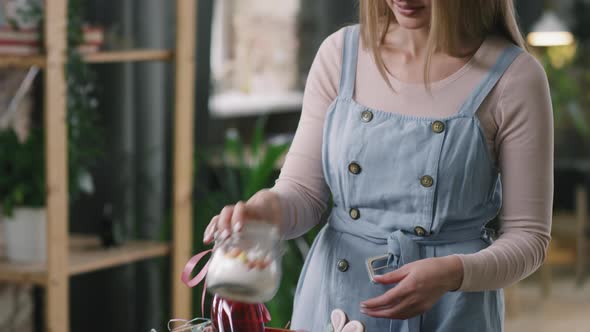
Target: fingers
[(229, 220), (392, 296), (401, 302), (239, 215), (211, 230), (402, 310), (224, 222), (392, 277), (386, 299)]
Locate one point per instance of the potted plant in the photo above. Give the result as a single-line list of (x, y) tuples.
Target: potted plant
[(22, 196)]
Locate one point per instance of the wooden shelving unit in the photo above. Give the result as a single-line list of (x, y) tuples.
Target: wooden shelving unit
[(98, 57), (86, 256), (68, 255)]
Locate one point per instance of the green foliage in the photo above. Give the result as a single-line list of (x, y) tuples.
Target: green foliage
[(22, 168), (85, 138), (570, 79), (564, 86), (238, 179), (29, 13)]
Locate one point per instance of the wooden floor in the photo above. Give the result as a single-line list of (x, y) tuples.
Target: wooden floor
[(566, 310)]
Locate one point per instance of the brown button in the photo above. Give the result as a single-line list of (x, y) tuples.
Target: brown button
[(426, 181), (366, 116), (342, 265), (354, 168), (354, 213), (420, 231), (438, 127)]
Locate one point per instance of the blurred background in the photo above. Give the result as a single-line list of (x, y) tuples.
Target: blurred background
[(252, 57)]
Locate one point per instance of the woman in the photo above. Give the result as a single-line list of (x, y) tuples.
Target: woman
[(408, 121)]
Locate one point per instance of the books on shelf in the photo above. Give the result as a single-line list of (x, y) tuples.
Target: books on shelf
[(28, 41)]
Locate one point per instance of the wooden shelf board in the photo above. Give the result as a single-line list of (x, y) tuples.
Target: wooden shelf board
[(86, 255), (19, 61), (130, 55), (98, 57), (97, 258), (22, 273)]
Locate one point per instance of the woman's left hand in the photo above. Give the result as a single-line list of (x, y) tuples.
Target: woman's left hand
[(420, 285)]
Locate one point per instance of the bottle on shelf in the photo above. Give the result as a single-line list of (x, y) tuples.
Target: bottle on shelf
[(108, 230)]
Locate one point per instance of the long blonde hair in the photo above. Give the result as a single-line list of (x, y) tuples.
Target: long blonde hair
[(452, 23)]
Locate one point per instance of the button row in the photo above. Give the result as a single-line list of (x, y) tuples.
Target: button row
[(355, 215), (437, 126)]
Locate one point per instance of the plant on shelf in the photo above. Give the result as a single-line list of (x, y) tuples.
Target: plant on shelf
[(246, 169), (85, 143), (22, 164), (22, 194)]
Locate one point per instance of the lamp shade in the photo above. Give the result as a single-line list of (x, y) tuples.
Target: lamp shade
[(549, 30)]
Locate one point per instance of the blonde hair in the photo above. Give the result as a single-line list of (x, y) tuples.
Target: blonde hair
[(452, 23)]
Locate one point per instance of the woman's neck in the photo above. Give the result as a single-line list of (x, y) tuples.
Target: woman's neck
[(411, 42)]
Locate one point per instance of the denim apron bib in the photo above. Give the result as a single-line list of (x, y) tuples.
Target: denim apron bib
[(404, 188)]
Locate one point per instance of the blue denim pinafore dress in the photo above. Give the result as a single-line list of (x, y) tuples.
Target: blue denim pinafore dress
[(404, 188)]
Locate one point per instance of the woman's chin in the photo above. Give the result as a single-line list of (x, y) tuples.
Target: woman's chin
[(412, 19), (412, 23)]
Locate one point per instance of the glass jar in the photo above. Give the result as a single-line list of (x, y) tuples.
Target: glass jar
[(246, 267)]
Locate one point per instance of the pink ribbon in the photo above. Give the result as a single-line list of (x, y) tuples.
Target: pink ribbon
[(188, 269), (201, 276)]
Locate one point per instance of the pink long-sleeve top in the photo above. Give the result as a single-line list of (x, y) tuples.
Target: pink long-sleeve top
[(518, 125)]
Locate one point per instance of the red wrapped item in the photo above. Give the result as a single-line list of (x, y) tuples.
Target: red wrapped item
[(231, 316)]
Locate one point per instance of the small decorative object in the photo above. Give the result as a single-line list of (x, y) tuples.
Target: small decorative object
[(339, 323), (243, 273), (108, 234), (22, 13), (19, 28), (246, 267)]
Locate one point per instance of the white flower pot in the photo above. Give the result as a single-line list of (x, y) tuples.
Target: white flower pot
[(25, 235)]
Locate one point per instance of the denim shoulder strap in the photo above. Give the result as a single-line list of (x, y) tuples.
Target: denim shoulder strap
[(349, 61), (480, 93)]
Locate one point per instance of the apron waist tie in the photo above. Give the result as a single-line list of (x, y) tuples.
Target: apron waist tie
[(402, 247)]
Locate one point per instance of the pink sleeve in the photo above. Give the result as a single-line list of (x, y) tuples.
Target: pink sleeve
[(524, 145), (301, 187)]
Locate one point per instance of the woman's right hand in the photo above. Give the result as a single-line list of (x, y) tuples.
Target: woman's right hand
[(263, 206)]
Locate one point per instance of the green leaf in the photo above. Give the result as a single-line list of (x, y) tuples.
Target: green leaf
[(258, 137), (260, 176)]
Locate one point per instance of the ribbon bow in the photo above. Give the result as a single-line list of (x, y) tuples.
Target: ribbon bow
[(201, 276)]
